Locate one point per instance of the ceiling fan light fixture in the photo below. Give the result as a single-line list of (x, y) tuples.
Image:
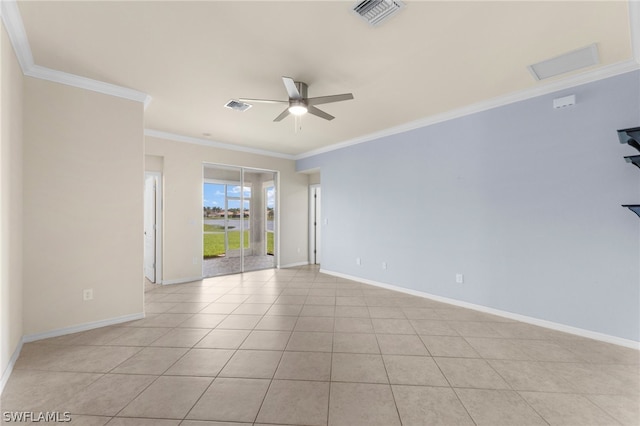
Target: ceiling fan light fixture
[(298, 108)]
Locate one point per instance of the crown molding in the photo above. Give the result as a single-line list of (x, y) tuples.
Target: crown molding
[(539, 90), (213, 144), (43, 73), (18, 37)]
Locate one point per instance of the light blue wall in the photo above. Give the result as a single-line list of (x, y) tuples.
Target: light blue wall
[(524, 200)]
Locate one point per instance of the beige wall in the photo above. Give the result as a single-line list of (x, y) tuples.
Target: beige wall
[(83, 206), (10, 202), (182, 214)]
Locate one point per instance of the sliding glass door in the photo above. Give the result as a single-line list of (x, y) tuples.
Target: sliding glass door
[(239, 211)]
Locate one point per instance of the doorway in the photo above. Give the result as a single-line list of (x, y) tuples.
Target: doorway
[(315, 217), (239, 219), (153, 227)]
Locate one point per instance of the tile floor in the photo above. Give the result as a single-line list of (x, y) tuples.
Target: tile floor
[(296, 347)]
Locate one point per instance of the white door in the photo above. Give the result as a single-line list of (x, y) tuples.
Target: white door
[(150, 188)]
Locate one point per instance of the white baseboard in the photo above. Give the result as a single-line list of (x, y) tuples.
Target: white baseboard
[(293, 265), (182, 280), (9, 369), (81, 327), (505, 314)]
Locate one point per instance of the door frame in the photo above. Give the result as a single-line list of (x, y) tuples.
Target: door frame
[(315, 231), (157, 177)]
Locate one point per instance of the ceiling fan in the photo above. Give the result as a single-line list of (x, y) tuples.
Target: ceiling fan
[(299, 103)]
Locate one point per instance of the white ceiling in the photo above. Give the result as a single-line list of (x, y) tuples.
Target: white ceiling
[(433, 58)]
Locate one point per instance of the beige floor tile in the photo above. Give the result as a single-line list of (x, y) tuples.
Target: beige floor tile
[(392, 326), (449, 346), (169, 397), (252, 309), (498, 407), (234, 400), (623, 408), (232, 298), (311, 341), (305, 366), (353, 325), (361, 343), (158, 307), (201, 320), (413, 370), (470, 373), (386, 312), (401, 344), (285, 310), (109, 394), (320, 300), (546, 350), (134, 336), (162, 320), (317, 311), (592, 379), (296, 402), (98, 336), (82, 420), (239, 322), (92, 359), (223, 339), (252, 364), (28, 390), (129, 421), (530, 376), (433, 328), (324, 324), (600, 352), (355, 404), (181, 337), (187, 307), (212, 423), (421, 405), (220, 308), (361, 368), (566, 409), (201, 362), (421, 313), (326, 292), (352, 312), (267, 340), (150, 361), (491, 348), (474, 329), (277, 322), (291, 299), (350, 301)]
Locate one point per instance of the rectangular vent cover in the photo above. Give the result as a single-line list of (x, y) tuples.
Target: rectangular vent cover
[(377, 11), (570, 61), (237, 105)]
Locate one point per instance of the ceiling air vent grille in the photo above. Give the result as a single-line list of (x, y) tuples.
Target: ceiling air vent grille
[(237, 105), (377, 11)]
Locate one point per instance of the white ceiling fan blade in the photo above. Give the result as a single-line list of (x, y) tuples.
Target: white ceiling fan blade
[(282, 115), (319, 113), (292, 90), (264, 101), (328, 99)]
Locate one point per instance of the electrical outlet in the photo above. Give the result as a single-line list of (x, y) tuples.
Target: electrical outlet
[(384, 265), (358, 261), (195, 260), (459, 278), (87, 294)]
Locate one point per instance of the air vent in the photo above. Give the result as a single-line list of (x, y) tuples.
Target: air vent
[(570, 61), (237, 105), (377, 11)]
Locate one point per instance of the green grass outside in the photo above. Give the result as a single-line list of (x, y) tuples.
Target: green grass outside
[(214, 243)]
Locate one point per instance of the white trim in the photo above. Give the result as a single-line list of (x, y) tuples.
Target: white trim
[(539, 90), (213, 144), (9, 369), (81, 327), (17, 34), (505, 314), (158, 225), (634, 27), (43, 73), (182, 280), (293, 265)]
